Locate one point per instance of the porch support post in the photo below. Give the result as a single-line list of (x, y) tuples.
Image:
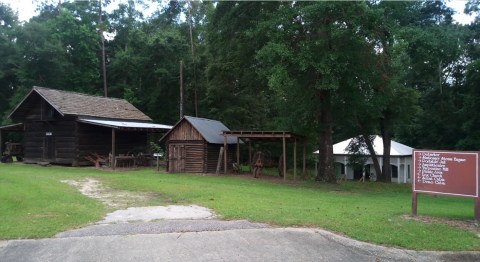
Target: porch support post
[(284, 159), (114, 162), (404, 170), (304, 167), (250, 155), (238, 152), (225, 152)]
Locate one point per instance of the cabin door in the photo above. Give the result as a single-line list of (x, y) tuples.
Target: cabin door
[(49, 147), (176, 158)]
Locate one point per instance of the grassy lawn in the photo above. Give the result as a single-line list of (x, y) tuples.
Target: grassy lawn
[(33, 203)]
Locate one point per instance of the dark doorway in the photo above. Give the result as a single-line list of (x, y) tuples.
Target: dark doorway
[(49, 147), (357, 173)]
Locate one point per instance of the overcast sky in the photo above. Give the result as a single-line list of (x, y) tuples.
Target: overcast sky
[(26, 9)]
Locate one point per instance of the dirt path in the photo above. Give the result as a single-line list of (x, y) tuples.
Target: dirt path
[(115, 199), (130, 206)]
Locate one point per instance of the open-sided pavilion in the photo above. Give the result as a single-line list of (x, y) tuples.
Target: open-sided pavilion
[(281, 136)]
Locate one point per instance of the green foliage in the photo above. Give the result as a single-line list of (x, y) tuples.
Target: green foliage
[(8, 54), (358, 151), (235, 93), (328, 70)]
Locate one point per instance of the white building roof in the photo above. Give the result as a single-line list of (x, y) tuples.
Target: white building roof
[(396, 148)]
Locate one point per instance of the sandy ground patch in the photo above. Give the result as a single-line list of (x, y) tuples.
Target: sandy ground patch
[(115, 199), (158, 212), (123, 200)]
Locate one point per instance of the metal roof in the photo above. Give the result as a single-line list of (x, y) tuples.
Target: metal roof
[(211, 130), (125, 125), (13, 127), (396, 149)]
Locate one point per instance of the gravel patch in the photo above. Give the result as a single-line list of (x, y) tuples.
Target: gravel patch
[(158, 212), (160, 227)]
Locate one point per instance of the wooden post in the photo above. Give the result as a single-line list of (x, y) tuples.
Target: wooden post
[(414, 203), (225, 154), (477, 210), (113, 150), (284, 159), (181, 89), (238, 152), (250, 155), (102, 38), (304, 167), (295, 159)]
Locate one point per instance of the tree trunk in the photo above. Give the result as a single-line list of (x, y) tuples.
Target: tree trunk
[(325, 148), (376, 165), (387, 142)]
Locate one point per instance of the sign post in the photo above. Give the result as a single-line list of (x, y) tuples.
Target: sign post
[(452, 173)]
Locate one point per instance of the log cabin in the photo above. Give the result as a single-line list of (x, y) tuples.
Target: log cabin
[(63, 127), (193, 146)]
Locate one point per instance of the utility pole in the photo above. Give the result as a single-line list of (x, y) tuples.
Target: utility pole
[(100, 30), (181, 89), (193, 58)]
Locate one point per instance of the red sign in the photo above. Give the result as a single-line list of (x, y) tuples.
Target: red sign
[(446, 172)]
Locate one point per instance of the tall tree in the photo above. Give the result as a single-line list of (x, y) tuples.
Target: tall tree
[(235, 93), (8, 56), (468, 114), (60, 48), (314, 52)]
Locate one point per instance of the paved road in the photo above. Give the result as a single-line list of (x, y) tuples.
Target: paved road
[(207, 240)]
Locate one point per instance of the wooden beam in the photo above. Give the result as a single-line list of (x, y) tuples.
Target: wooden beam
[(414, 203), (477, 210), (284, 160), (225, 152), (238, 152), (250, 155), (264, 134), (304, 167), (113, 150)]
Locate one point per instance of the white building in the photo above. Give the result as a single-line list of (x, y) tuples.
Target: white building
[(400, 161)]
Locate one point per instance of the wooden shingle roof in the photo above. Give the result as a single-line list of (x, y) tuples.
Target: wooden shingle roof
[(77, 104)]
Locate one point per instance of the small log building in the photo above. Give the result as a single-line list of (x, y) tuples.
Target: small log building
[(63, 127), (193, 146)]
